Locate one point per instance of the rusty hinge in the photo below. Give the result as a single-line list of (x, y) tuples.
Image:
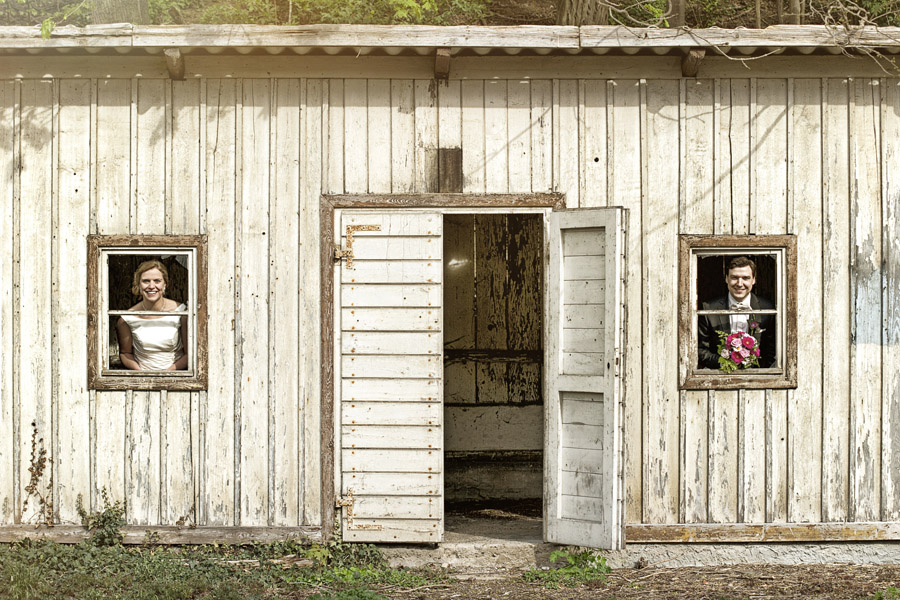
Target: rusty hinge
[(348, 252), (346, 502)]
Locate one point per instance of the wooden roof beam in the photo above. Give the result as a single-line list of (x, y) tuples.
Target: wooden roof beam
[(175, 63), (442, 63), (690, 63)]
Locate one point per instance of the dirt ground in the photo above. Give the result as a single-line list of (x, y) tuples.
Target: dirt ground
[(737, 582), (837, 582)]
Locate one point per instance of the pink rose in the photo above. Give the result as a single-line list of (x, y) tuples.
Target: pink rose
[(724, 353), (736, 343), (744, 352)]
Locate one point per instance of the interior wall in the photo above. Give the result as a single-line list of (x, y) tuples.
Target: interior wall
[(493, 415)]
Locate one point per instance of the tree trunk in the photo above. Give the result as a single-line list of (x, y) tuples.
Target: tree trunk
[(796, 12), (582, 12), (676, 8), (135, 12)]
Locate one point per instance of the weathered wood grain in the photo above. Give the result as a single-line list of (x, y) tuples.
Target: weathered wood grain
[(890, 394), (255, 212), (491, 289), (504, 154), (594, 138), (284, 283), (425, 148), (567, 114), (769, 213), (403, 135), (805, 403), (69, 534), (696, 216), (327, 35), (35, 384), (723, 404), (541, 135), (762, 532), (218, 496), (377, 118), (866, 325), (518, 135), (8, 417), (472, 140), (313, 498), (449, 104), (525, 303), (836, 288), (333, 137), (73, 444), (356, 137)]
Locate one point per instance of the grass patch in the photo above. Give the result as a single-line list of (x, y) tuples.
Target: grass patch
[(577, 568), (44, 569), (889, 593)]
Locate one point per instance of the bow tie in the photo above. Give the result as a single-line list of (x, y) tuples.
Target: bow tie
[(740, 306)]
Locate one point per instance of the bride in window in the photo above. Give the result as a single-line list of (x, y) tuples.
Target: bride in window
[(153, 342)]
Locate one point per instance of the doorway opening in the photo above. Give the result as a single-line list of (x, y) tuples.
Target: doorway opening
[(493, 372)]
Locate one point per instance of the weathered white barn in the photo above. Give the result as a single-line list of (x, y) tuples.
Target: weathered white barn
[(436, 264)]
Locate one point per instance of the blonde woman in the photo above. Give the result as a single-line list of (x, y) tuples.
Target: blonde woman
[(153, 343)]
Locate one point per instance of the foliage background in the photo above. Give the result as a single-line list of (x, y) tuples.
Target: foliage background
[(697, 13)]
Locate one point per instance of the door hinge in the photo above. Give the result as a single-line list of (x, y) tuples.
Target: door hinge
[(348, 251), (346, 502)]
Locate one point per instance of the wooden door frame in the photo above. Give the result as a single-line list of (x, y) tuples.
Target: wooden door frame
[(330, 203)]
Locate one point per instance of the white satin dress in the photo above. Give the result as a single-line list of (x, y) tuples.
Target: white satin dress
[(156, 342)]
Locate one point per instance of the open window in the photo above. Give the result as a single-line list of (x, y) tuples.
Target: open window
[(737, 311), (115, 306)]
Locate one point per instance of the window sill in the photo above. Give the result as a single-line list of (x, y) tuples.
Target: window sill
[(709, 379), (174, 382)]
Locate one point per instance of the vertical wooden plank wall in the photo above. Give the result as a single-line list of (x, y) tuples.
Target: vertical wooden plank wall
[(73, 207), (246, 161), (9, 442)]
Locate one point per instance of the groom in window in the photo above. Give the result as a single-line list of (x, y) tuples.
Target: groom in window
[(740, 277)]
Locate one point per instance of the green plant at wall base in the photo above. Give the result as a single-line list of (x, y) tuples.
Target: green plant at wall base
[(104, 526), (889, 593), (579, 567)]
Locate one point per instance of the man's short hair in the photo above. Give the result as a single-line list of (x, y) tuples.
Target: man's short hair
[(740, 261)]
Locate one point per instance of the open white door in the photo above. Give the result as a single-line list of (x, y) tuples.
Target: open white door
[(389, 375), (583, 486)]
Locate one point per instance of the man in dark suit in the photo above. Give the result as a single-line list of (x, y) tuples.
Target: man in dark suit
[(740, 277)]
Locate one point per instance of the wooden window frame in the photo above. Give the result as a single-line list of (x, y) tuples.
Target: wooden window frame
[(100, 378), (690, 375)]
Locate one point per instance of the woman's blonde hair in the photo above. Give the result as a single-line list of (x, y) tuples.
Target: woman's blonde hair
[(143, 268)]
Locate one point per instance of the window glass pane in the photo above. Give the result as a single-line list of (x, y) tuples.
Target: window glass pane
[(156, 342), (711, 277), (712, 294)]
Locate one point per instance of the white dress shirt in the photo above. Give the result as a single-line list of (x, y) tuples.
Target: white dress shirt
[(739, 322)]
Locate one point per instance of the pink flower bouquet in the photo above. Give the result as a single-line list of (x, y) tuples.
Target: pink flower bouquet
[(738, 350)]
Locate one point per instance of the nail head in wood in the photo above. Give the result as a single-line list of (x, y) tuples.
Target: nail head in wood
[(175, 63), (690, 64), (442, 63)]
